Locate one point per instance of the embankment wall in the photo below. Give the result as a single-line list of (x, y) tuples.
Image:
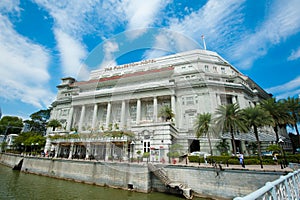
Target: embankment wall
[(204, 181)]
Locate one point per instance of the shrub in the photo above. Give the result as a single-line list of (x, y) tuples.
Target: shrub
[(248, 160)]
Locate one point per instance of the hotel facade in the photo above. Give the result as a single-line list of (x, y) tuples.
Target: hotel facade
[(116, 112)]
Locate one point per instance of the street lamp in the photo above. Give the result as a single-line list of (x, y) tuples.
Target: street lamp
[(37, 147), (132, 145), (32, 145), (281, 142)]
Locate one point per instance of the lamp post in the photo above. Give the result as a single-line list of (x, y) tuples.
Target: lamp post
[(37, 147), (22, 145), (32, 145), (281, 142), (132, 150)]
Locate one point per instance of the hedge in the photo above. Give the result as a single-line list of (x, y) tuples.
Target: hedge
[(248, 160)]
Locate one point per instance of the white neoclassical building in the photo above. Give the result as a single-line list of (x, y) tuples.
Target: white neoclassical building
[(128, 98)]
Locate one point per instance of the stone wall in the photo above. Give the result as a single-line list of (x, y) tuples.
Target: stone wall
[(216, 183), (204, 181), (10, 160), (117, 175)]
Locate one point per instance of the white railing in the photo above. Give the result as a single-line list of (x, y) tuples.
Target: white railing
[(96, 139), (286, 187)]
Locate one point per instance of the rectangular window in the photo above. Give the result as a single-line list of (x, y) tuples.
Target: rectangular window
[(146, 146), (215, 68), (133, 112), (223, 70), (206, 68), (149, 111)]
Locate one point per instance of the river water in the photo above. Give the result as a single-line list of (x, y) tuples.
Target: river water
[(18, 185)]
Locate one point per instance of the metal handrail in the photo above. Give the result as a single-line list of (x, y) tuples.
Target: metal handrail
[(286, 187)]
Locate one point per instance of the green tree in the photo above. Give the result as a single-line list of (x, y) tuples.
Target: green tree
[(29, 140), (293, 107), (275, 148), (278, 112), (256, 117), (202, 126), (166, 113), (38, 121), (10, 125), (223, 147), (175, 151), (228, 118), (54, 123)]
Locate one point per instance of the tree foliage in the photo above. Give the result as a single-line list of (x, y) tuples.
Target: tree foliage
[(202, 126), (38, 121), (10, 125), (228, 118), (175, 151), (255, 117), (166, 113), (293, 108), (29, 139), (54, 123), (279, 113)]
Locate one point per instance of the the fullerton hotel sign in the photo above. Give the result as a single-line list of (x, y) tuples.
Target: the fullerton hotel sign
[(125, 66)]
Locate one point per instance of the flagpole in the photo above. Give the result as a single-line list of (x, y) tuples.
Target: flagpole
[(203, 40)]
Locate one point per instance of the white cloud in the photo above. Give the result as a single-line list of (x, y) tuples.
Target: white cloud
[(72, 53), (295, 55), (109, 48), (141, 14), (69, 16), (7, 6), (24, 74), (282, 21), (287, 89), (216, 20)]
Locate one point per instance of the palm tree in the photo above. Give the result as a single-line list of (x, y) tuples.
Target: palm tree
[(166, 113), (256, 117), (202, 125), (54, 123), (278, 112), (293, 107), (228, 118)]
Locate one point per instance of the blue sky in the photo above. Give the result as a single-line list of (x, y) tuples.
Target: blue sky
[(42, 41)]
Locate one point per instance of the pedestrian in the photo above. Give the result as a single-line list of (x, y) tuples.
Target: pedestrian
[(241, 159), (275, 159), (205, 158)]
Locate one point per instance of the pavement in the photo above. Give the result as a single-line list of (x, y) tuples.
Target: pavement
[(266, 168)]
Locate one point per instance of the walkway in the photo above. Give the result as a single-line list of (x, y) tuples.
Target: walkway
[(247, 167)]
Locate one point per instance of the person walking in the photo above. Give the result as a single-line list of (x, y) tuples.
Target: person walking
[(241, 159)]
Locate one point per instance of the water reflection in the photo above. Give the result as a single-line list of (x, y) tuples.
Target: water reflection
[(17, 185)]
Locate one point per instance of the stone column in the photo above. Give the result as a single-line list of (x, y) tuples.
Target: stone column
[(107, 150), (88, 150), (108, 114), (123, 112), (71, 150), (234, 100), (70, 117), (218, 99), (94, 121), (57, 149), (138, 111), (155, 109), (173, 106), (243, 148), (82, 114)]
